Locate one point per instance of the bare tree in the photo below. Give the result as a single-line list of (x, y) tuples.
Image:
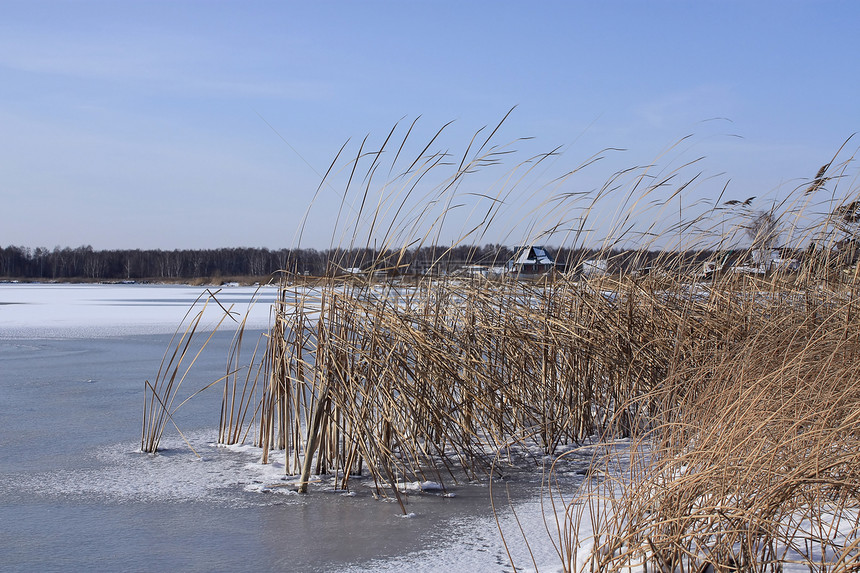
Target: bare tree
[(763, 231)]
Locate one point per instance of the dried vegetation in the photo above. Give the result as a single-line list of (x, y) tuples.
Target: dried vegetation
[(738, 396)]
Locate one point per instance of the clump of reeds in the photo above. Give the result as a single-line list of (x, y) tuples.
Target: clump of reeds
[(752, 459), (162, 396), (736, 392)]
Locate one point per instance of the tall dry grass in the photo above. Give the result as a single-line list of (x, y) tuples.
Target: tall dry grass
[(751, 460), (738, 395), (162, 397)]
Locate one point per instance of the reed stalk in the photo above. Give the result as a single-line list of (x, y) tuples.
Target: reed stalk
[(737, 393)]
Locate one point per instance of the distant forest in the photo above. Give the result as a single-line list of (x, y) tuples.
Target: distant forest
[(89, 264), (86, 263)]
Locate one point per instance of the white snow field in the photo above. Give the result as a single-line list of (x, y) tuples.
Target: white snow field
[(37, 310)]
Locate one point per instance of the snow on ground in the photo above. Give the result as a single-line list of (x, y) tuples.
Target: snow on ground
[(474, 542), (123, 473), (99, 310)]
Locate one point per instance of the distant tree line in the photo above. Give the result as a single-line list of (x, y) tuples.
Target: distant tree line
[(135, 264), (88, 264)]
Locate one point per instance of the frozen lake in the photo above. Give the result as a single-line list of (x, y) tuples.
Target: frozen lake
[(76, 494), (92, 310)]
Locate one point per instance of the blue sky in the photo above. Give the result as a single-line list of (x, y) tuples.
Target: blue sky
[(192, 124)]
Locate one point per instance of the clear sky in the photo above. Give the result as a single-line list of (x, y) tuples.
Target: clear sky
[(204, 124)]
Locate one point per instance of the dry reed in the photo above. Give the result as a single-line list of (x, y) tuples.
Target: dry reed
[(750, 462), (738, 394)]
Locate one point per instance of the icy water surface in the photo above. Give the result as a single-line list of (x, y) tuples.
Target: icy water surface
[(76, 494)]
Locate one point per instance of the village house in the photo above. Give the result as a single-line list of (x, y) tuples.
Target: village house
[(530, 261)]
